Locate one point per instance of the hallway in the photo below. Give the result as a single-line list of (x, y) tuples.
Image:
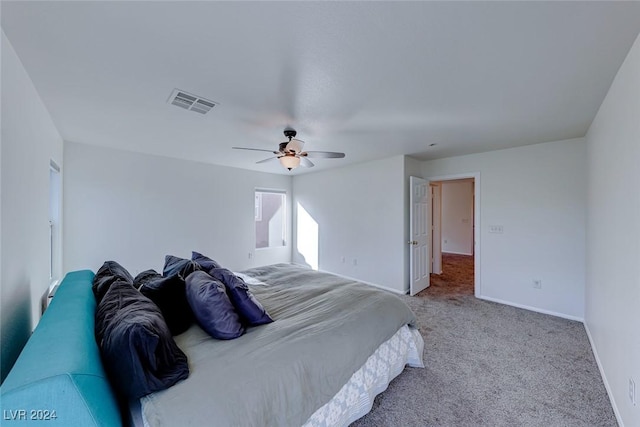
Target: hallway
[(456, 278)]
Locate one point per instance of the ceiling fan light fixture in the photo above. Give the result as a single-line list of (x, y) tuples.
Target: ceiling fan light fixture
[(294, 145), (290, 154), (290, 162)]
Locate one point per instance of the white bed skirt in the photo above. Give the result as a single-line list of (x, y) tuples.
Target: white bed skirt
[(355, 398)]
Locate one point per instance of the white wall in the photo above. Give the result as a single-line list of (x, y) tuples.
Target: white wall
[(538, 194), (29, 141), (136, 208), (360, 215), (612, 313), (457, 217)]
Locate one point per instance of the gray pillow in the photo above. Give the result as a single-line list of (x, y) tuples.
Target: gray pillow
[(136, 345), (109, 273)]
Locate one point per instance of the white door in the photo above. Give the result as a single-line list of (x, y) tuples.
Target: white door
[(419, 222), (436, 227)]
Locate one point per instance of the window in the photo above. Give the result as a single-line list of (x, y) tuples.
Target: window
[(55, 241), (270, 217)]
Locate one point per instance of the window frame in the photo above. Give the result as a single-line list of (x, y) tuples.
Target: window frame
[(55, 222), (258, 192)]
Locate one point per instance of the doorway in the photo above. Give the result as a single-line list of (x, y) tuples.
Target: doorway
[(454, 246)]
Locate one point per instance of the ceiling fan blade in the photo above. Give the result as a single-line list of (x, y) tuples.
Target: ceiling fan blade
[(306, 162), (323, 154), (267, 160), (255, 149)]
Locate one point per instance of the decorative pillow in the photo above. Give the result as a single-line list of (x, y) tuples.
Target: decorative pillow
[(174, 265), (211, 307), (170, 296), (204, 262), (145, 277), (137, 348), (109, 273), (250, 309)]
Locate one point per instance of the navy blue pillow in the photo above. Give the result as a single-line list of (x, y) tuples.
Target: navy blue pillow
[(109, 273), (174, 265), (136, 345), (212, 308), (170, 296), (204, 262), (250, 309)]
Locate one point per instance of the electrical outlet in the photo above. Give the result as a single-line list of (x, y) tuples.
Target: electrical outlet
[(632, 391), (537, 284), (344, 260), (355, 261), (250, 255)]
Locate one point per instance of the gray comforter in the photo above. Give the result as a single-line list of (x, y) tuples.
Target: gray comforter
[(279, 374)]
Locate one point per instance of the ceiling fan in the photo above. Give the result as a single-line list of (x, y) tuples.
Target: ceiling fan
[(290, 152)]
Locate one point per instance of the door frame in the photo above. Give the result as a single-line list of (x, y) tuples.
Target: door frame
[(435, 235), (477, 283)]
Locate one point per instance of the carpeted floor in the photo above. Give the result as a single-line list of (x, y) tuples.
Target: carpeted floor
[(489, 364), (456, 278)]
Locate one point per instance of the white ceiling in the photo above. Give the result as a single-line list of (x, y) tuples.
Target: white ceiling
[(371, 79)]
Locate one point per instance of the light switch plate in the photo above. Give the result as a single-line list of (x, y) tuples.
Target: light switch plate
[(496, 229)]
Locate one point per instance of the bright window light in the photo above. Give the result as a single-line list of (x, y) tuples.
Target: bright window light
[(307, 237)]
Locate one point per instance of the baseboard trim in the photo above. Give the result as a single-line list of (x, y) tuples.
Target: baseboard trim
[(527, 307), (366, 283), (604, 377)]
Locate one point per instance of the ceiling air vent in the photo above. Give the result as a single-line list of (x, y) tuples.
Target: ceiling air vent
[(191, 102)]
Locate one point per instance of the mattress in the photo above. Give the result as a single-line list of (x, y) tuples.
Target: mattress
[(333, 346)]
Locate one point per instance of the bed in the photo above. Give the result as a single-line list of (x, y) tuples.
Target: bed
[(334, 345)]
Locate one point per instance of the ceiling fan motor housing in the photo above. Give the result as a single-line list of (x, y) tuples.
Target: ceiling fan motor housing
[(290, 133)]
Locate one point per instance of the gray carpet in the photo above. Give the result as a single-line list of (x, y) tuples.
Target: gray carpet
[(489, 364)]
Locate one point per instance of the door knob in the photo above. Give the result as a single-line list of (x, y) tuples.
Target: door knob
[(412, 242)]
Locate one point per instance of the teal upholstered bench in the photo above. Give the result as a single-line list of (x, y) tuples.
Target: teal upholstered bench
[(58, 378)]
